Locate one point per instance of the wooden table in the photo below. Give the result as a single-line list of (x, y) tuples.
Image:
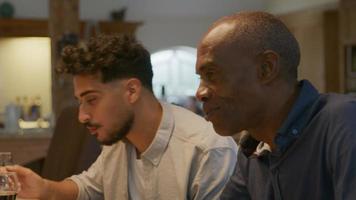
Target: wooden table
[(26, 146)]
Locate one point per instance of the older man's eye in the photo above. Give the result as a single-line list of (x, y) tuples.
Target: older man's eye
[(209, 76)]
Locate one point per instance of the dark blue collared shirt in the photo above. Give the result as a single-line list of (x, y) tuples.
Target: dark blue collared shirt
[(315, 156), (297, 117)]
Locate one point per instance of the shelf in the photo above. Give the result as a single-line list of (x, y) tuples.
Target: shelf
[(23, 28), (39, 27)]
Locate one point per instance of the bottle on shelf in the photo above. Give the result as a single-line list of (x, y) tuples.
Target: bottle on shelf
[(25, 108), (35, 109), (12, 116)]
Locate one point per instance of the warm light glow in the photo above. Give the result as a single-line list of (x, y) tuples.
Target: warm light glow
[(25, 70)]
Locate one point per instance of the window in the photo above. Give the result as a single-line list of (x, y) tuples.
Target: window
[(174, 78), (174, 73)]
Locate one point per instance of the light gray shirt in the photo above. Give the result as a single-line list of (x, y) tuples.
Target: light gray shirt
[(186, 160)]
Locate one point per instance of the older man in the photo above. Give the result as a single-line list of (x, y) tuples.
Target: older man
[(301, 144)]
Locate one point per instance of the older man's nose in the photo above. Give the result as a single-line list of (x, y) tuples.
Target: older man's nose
[(203, 93)]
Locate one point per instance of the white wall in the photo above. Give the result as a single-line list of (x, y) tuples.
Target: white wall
[(285, 6), (30, 8), (166, 22), (181, 22)]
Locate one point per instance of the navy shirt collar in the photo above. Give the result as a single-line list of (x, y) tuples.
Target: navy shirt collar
[(292, 125), (297, 117)]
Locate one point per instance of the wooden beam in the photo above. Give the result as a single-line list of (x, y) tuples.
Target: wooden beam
[(64, 18)]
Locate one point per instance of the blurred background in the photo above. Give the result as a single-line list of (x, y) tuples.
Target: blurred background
[(170, 29), (32, 33)]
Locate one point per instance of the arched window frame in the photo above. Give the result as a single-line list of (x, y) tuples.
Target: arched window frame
[(174, 70)]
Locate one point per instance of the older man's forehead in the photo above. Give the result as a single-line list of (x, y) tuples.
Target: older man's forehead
[(219, 34), (220, 38)]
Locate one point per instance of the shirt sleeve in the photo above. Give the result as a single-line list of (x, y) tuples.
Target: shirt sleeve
[(212, 173), (342, 152), (236, 187), (90, 182)]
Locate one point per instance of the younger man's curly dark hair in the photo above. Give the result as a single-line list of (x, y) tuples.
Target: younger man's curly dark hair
[(115, 56)]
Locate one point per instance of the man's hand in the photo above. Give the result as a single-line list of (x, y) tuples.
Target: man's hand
[(32, 185)]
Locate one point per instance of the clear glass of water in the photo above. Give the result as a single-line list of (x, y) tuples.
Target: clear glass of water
[(9, 185)]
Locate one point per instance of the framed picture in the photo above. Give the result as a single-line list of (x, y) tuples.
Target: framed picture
[(351, 61)]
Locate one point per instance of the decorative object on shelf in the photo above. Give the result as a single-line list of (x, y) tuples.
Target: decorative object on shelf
[(7, 10), (118, 15), (12, 115), (40, 123)]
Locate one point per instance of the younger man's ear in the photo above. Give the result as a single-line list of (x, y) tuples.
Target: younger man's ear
[(133, 89), (269, 68)]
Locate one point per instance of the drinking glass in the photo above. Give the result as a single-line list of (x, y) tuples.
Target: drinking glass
[(9, 185), (5, 158)]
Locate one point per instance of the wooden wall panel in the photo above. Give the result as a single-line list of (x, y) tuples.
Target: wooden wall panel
[(64, 18), (331, 50), (317, 31), (307, 27), (347, 37)]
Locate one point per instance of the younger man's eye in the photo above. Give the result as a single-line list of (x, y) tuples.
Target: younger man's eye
[(91, 100)]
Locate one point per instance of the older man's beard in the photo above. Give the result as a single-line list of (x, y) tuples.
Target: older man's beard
[(120, 134)]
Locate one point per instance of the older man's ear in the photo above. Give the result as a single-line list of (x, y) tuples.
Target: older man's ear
[(269, 69)]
